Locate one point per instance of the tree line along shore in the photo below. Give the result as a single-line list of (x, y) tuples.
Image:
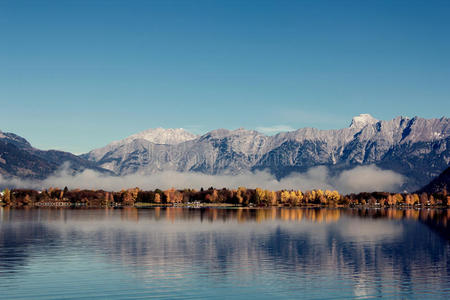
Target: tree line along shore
[(217, 197)]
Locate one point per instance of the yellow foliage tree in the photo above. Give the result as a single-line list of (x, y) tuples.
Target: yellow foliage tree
[(332, 197), (7, 196), (260, 196), (271, 197), (285, 196), (239, 197), (397, 199), (320, 196), (157, 198), (300, 195), (293, 199)]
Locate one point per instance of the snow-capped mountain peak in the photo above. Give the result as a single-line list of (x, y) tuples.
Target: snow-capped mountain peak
[(161, 136), (171, 136), (362, 120)]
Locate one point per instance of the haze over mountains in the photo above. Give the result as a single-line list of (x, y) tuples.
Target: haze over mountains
[(416, 148)]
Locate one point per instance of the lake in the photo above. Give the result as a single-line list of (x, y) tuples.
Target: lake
[(171, 253)]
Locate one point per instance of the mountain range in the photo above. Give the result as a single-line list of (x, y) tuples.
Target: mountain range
[(417, 148)]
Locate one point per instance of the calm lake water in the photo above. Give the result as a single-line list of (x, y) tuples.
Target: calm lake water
[(223, 253)]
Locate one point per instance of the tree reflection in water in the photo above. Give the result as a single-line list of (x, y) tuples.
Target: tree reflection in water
[(368, 251)]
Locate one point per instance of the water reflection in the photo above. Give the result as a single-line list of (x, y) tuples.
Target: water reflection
[(242, 215), (315, 253)]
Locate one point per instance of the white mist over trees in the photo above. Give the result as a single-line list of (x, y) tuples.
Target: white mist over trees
[(359, 179)]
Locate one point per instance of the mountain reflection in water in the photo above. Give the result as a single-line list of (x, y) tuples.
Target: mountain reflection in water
[(237, 253)]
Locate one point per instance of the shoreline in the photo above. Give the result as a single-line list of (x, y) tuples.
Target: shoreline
[(141, 205)]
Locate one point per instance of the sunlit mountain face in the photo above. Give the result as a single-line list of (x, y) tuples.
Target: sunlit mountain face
[(416, 148)]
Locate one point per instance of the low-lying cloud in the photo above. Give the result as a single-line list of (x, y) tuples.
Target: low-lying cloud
[(369, 178), (359, 179)]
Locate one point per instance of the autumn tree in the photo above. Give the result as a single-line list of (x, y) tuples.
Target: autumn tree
[(285, 196), (260, 196), (416, 199), (432, 200), (300, 196), (332, 197), (7, 196), (397, 199), (214, 196), (293, 198), (239, 198), (424, 199), (108, 200), (372, 201), (27, 200), (173, 196), (320, 197), (129, 196), (408, 199), (390, 200), (309, 197), (271, 197), (157, 198)]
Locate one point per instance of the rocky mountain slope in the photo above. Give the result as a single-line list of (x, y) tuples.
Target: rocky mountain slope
[(19, 159), (415, 147)]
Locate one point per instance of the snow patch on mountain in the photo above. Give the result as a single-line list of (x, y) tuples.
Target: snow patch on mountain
[(362, 120), (163, 136), (158, 136)]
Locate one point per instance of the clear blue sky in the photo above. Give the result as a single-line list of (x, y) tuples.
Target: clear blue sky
[(75, 75)]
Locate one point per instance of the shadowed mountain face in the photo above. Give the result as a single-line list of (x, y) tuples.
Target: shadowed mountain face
[(19, 159), (439, 184), (416, 148)]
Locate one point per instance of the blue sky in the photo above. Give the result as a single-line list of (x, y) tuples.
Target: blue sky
[(75, 75)]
